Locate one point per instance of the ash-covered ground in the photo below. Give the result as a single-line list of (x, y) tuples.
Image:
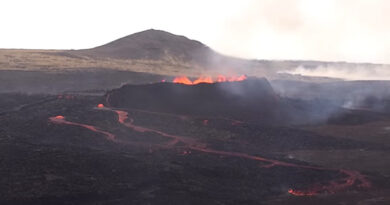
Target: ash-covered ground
[(165, 143)]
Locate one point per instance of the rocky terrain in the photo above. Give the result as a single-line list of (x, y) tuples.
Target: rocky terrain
[(113, 125), (147, 53), (82, 149)]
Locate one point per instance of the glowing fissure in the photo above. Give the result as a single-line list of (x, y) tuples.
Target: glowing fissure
[(208, 79)]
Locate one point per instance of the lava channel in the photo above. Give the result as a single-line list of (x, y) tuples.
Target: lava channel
[(352, 177), (61, 120)]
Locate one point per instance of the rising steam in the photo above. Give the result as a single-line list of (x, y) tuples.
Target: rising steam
[(380, 72)]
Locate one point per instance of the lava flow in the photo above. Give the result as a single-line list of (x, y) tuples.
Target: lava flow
[(208, 79), (61, 120), (352, 177), (123, 118)]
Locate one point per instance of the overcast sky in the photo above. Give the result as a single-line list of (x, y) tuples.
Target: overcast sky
[(334, 30)]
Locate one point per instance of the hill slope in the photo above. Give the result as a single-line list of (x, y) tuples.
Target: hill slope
[(161, 45), (157, 52)]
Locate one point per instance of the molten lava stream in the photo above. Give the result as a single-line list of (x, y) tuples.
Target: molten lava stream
[(123, 118), (61, 120), (352, 177)]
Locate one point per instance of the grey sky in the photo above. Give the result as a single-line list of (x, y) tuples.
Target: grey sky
[(334, 30)]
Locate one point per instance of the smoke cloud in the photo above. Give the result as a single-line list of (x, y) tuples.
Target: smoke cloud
[(332, 30), (346, 73)]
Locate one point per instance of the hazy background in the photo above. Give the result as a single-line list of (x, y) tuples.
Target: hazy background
[(357, 72), (331, 30)]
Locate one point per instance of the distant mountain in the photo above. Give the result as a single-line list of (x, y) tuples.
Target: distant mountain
[(160, 45), (165, 54)]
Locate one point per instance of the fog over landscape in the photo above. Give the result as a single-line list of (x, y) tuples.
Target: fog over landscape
[(358, 72)]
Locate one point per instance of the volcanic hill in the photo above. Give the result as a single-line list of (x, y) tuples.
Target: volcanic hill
[(246, 100), (159, 45), (152, 54)]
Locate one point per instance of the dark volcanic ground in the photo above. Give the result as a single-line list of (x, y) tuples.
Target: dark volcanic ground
[(157, 156), (84, 79)]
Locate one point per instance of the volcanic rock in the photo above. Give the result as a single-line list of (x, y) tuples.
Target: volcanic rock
[(160, 45), (251, 100)]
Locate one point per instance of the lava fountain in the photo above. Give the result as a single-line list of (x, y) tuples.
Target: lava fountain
[(208, 79)]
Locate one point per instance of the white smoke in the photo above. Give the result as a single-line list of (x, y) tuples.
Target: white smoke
[(344, 72)]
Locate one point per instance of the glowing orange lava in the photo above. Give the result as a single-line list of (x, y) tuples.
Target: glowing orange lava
[(350, 178), (209, 79), (59, 117), (182, 80), (241, 78), (203, 79), (61, 120), (301, 193), (221, 78), (100, 106)]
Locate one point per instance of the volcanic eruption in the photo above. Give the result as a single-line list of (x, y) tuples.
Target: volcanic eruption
[(350, 178), (208, 79), (243, 100)]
